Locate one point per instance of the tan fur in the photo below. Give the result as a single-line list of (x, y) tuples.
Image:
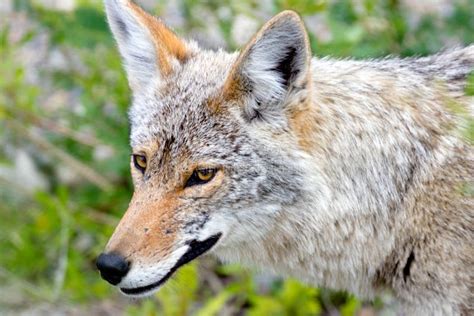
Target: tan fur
[(148, 229), (304, 122), (167, 44)]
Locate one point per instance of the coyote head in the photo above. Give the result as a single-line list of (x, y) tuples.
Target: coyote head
[(215, 143)]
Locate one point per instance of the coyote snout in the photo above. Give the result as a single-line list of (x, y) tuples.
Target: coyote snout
[(114, 267), (346, 174), (156, 236)]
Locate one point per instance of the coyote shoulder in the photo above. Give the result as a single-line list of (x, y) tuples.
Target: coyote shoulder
[(346, 174)]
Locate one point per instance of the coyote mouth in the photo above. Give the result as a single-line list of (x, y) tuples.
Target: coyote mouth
[(196, 248)]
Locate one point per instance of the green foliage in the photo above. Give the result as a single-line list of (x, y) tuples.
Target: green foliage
[(470, 85), (351, 307), (177, 298), (50, 238), (469, 119), (304, 6), (14, 91), (292, 299), (83, 28)]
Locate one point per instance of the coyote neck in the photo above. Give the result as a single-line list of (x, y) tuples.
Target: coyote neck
[(374, 212)]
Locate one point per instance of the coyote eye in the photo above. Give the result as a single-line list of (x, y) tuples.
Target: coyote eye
[(201, 176), (140, 162)]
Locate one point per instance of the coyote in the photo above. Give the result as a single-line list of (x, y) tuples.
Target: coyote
[(347, 174)]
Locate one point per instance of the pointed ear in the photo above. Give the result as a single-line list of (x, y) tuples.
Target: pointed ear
[(273, 67), (148, 47)]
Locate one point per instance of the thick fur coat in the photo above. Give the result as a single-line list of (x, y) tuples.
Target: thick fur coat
[(346, 174)]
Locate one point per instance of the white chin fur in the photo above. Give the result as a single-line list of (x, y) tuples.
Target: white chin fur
[(142, 294), (142, 274)]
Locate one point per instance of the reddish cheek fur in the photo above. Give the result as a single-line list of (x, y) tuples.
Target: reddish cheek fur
[(148, 229)]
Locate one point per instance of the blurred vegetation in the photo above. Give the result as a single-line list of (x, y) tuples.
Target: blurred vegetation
[(49, 238)]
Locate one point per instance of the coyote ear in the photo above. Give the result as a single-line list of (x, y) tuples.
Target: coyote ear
[(273, 67), (148, 47)]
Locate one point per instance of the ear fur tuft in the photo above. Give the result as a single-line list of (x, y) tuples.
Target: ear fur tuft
[(274, 65), (147, 46)]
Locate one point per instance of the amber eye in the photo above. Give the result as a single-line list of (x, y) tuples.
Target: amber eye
[(201, 176), (205, 174), (140, 162)]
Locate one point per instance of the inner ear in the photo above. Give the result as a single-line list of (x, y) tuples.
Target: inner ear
[(286, 66), (272, 69)]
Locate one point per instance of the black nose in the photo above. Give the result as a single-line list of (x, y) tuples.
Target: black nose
[(112, 267)]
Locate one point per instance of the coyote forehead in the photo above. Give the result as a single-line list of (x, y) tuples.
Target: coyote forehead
[(183, 97)]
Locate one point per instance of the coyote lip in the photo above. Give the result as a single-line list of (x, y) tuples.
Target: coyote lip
[(196, 248)]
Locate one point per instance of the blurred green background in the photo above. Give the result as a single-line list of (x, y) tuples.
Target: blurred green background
[(64, 154)]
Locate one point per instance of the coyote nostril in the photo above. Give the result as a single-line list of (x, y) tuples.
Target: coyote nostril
[(112, 267)]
